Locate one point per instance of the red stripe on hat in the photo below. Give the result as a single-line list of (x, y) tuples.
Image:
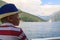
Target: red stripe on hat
[(9, 32), (5, 26), (23, 38), (8, 26)]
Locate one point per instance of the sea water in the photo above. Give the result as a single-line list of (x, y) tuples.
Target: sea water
[(41, 29)]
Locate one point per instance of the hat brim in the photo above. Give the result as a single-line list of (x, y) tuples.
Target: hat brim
[(7, 14)]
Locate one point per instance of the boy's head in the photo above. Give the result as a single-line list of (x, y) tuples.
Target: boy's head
[(9, 13)]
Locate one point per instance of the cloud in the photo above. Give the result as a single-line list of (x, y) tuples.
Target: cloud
[(49, 3), (31, 1), (16, 2), (24, 2), (49, 9), (37, 9), (34, 7), (43, 10)]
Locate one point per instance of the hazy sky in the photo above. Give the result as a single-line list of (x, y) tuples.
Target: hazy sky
[(37, 7)]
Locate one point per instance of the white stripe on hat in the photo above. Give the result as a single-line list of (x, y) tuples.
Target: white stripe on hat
[(9, 28), (8, 37), (8, 24)]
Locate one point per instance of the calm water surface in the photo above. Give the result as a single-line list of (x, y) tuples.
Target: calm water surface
[(41, 29)]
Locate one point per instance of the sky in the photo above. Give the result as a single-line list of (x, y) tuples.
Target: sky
[(54, 2), (37, 7)]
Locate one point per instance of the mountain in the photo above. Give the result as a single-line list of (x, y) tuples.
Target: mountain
[(45, 17), (30, 18), (55, 17)]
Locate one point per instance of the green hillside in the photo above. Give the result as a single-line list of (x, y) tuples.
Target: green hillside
[(2, 2), (30, 18)]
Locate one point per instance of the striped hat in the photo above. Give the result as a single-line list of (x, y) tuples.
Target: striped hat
[(7, 10)]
